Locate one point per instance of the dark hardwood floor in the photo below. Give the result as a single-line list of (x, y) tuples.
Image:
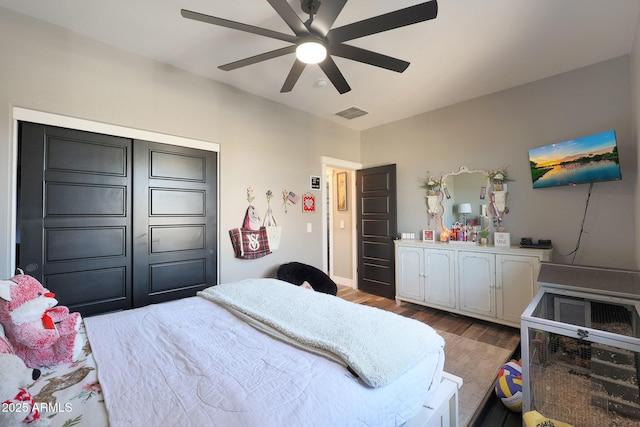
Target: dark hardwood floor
[(492, 412), (478, 330)]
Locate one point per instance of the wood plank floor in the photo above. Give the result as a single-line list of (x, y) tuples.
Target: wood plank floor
[(478, 330), (492, 413)]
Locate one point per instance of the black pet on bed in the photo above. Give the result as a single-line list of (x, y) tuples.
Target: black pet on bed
[(297, 273)]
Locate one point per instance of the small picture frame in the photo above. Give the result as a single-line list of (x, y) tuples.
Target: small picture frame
[(501, 240), (428, 236), (446, 192), (314, 182), (308, 203), (342, 190)]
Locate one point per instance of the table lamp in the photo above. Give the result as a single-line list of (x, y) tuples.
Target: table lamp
[(464, 209)]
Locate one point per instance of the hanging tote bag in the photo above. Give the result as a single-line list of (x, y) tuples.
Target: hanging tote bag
[(250, 241), (274, 231)]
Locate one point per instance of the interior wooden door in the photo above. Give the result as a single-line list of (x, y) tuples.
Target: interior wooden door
[(175, 222), (75, 215), (377, 229)]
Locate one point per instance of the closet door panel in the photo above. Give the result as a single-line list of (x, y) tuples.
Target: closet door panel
[(67, 244), (85, 200), (75, 216), (86, 154), (178, 202), (175, 224), (92, 286), (176, 238), (177, 166), (167, 276)]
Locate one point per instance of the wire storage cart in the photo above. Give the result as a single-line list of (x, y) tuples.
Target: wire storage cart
[(581, 346)]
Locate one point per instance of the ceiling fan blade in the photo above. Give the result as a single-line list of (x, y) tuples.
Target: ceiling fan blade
[(289, 16), (326, 16), (237, 26), (333, 73), (293, 76), (400, 18), (369, 57), (258, 58)]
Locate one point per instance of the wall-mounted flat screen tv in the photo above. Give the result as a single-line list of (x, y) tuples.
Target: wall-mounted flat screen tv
[(584, 160)]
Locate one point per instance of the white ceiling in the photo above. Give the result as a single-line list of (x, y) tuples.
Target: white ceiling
[(473, 47)]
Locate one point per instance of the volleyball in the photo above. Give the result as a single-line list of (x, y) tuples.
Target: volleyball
[(509, 391), (513, 368)]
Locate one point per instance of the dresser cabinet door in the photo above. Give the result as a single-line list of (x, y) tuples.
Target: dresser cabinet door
[(410, 272), (476, 280), (440, 277), (515, 279)]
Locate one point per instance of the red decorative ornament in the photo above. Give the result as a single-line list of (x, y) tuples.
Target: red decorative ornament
[(308, 203)]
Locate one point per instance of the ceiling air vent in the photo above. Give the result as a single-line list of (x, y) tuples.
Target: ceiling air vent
[(352, 113)]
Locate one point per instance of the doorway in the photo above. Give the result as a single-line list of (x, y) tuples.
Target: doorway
[(339, 235)]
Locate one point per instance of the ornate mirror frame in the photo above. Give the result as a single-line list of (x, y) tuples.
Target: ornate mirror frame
[(464, 186)]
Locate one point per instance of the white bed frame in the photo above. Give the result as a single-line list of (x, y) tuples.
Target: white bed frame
[(445, 410)]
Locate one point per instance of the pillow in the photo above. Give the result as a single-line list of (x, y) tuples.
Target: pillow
[(298, 273)]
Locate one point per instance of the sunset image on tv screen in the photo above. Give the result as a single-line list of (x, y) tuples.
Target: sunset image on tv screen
[(588, 159)]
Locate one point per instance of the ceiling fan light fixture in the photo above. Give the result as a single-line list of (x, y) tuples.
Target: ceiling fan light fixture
[(312, 39), (311, 52)]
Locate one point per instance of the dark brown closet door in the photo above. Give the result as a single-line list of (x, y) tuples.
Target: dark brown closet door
[(175, 224), (75, 216)]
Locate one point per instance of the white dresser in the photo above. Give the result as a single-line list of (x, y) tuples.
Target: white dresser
[(494, 284)]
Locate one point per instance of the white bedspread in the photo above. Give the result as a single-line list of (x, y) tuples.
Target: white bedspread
[(376, 344), (192, 363)]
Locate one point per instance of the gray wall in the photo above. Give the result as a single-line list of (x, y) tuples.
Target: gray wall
[(263, 144), (497, 131), (49, 69)]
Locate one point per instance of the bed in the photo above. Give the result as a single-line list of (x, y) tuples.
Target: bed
[(241, 354)]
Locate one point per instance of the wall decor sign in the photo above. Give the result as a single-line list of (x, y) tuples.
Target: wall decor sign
[(314, 182), (308, 203), (342, 191), (501, 240)]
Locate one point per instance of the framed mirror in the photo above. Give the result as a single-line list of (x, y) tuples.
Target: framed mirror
[(465, 198)]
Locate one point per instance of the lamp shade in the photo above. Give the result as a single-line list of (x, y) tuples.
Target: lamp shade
[(311, 52), (464, 208)]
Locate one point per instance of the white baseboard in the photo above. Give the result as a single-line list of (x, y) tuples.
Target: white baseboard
[(343, 281)]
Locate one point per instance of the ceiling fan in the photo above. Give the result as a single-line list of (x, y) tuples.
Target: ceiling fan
[(315, 41)]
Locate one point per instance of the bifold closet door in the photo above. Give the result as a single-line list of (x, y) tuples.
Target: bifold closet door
[(74, 216), (175, 225), (109, 223)]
